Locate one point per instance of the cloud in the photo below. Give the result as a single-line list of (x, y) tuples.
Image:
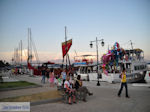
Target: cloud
[(52, 56), (57, 57)]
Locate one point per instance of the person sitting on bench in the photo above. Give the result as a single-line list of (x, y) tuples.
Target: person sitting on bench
[(82, 89), (69, 91)]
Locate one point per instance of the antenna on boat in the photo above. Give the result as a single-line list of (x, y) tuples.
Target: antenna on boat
[(132, 47), (131, 44), (75, 52)]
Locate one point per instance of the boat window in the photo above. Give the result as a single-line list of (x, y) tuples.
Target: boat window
[(89, 69), (138, 67), (142, 67), (135, 67), (85, 69)]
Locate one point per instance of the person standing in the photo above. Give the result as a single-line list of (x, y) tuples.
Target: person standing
[(43, 75), (51, 79), (63, 73), (47, 74), (123, 83)]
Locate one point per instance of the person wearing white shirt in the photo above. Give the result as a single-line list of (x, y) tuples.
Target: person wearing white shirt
[(69, 90)]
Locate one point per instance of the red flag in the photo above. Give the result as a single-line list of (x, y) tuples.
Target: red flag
[(35, 71), (30, 66), (65, 48)]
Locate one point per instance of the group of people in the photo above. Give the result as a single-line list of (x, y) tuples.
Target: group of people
[(49, 75), (67, 82), (72, 86)]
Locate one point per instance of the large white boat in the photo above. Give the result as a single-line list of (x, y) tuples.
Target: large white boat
[(133, 61), (134, 64)]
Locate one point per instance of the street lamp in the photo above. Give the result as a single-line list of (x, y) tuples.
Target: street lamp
[(91, 45)]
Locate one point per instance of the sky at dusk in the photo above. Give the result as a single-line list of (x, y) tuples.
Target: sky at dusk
[(112, 20)]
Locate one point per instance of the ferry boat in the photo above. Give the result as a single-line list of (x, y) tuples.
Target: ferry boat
[(133, 61)]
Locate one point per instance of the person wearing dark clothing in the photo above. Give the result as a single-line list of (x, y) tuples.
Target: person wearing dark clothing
[(43, 72), (123, 84), (81, 89), (47, 74)]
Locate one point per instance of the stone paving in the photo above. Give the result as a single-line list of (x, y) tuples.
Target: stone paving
[(105, 99)]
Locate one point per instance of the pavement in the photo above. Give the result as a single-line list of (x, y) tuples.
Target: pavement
[(104, 98)]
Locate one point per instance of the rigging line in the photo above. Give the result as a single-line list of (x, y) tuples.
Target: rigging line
[(35, 51), (36, 54), (125, 43)]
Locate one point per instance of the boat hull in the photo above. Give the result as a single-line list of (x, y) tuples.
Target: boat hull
[(132, 77), (114, 77)]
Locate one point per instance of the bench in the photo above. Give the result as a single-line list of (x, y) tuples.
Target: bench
[(62, 92), (65, 96)]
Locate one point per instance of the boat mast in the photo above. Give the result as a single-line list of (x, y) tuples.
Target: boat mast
[(21, 51), (19, 54), (66, 46), (17, 57), (28, 47), (14, 56)]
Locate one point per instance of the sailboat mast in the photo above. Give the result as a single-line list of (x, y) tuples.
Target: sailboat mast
[(21, 50), (19, 53), (66, 46), (30, 46), (17, 57), (14, 56)]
